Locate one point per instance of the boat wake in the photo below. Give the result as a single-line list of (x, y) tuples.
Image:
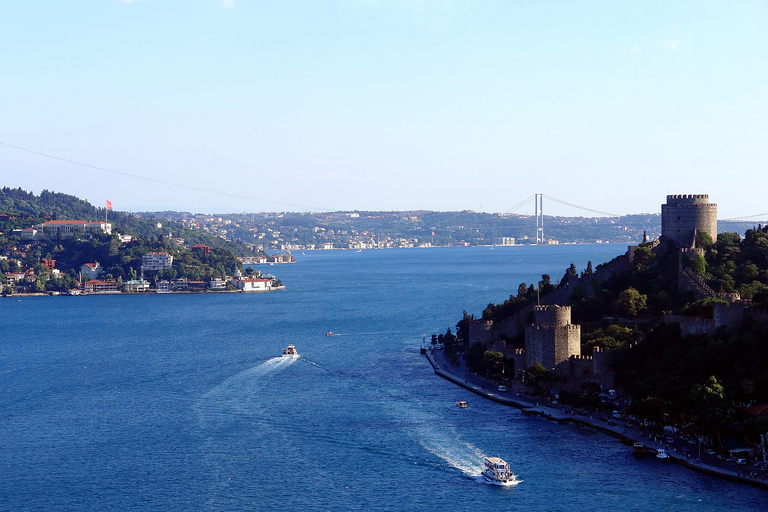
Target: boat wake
[(449, 446), (238, 395)]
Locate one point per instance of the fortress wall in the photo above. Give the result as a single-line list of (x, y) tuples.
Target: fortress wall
[(691, 325), (480, 331), (730, 315)]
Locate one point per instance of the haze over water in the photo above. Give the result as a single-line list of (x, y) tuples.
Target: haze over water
[(179, 402)]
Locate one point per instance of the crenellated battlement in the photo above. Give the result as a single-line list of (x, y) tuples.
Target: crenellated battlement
[(687, 198)]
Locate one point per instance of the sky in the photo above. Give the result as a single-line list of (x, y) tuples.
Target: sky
[(226, 106)]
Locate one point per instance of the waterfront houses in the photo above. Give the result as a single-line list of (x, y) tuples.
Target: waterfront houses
[(101, 287), (253, 284), (136, 286)]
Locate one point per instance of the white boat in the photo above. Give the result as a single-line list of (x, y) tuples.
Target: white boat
[(497, 472), (662, 454), (290, 351)]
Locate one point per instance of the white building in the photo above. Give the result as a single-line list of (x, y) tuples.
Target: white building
[(253, 285), (91, 270), (67, 228), (217, 284), (29, 233), (156, 261), (136, 286)]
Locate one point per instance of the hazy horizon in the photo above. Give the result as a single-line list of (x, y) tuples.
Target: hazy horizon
[(344, 105)]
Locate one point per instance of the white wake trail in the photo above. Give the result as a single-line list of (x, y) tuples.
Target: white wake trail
[(240, 394)]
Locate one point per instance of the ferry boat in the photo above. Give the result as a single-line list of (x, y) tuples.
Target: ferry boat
[(290, 351), (662, 454), (497, 472), (639, 448)]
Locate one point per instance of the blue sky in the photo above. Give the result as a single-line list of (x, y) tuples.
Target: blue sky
[(387, 105)]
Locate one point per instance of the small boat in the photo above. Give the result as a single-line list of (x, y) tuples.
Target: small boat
[(662, 454), (290, 351), (497, 472), (639, 448), (331, 333), (461, 404)]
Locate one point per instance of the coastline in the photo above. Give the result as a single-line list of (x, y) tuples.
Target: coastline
[(151, 292), (530, 406)]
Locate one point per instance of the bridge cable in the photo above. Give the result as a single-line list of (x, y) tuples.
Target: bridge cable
[(579, 207), (152, 180)]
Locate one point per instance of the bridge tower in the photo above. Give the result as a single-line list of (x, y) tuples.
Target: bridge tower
[(539, 207)]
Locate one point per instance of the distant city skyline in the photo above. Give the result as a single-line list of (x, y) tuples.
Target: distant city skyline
[(224, 106)]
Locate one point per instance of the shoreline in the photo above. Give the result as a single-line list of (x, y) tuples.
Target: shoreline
[(530, 406), (151, 292)]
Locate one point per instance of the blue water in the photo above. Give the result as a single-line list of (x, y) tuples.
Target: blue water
[(177, 402)]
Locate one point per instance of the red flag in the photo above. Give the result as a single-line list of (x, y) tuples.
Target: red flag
[(109, 204)]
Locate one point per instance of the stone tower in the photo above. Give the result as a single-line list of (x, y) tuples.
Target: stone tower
[(684, 215), (552, 338)]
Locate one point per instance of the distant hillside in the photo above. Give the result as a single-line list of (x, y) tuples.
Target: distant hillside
[(21, 209)]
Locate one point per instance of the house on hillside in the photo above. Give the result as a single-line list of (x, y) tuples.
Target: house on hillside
[(91, 270), (156, 261)]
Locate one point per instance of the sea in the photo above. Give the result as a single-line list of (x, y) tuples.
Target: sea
[(182, 403)]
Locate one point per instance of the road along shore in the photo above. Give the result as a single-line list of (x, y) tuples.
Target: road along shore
[(529, 405)]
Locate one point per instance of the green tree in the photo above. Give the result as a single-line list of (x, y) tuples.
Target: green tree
[(630, 302), (711, 407)]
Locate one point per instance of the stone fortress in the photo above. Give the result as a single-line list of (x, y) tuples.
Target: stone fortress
[(685, 215), (555, 343)]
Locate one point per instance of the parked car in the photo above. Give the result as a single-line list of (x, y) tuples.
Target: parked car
[(741, 462), (710, 452)]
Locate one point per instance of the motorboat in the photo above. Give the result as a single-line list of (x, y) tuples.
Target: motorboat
[(331, 333), (462, 404), (290, 351), (662, 454), (497, 472)]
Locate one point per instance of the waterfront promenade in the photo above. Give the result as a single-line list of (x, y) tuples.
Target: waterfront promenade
[(628, 434)]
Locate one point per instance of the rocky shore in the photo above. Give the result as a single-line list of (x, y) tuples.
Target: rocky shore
[(627, 434)]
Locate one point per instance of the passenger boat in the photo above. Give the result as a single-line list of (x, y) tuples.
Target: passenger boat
[(290, 351), (662, 454), (639, 448), (461, 404), (497, 472)]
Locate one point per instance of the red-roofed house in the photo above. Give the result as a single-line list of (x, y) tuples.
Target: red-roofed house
[(756, 411), (205, 248)]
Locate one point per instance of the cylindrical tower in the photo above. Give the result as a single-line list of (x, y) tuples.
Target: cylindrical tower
[(684, 215)]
